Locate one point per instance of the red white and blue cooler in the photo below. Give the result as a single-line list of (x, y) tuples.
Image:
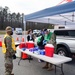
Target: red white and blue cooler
[(49, 50)]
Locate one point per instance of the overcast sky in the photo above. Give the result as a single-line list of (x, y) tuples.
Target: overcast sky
[(28, 6)]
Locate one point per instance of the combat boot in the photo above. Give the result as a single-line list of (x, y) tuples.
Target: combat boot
[(50, 67), (12, 74), (46, 66)]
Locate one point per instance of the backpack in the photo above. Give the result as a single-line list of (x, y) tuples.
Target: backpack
[(40, 44)]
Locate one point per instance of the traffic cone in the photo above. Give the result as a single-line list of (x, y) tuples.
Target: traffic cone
[(17, 39), (23, 39), (24, 56), (0, 42)]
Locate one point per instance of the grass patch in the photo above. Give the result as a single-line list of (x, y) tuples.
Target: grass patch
[(2, 32)]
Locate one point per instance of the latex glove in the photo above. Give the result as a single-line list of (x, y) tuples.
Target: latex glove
[(44, 42)]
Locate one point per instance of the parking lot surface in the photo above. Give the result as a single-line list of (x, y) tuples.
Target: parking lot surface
[(35, 67)]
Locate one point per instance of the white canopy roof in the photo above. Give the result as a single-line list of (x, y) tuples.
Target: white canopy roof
[(63, 19), (55, 15)]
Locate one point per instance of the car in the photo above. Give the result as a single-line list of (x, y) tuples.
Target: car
[(65, 39), (18, 31), (36, 32)]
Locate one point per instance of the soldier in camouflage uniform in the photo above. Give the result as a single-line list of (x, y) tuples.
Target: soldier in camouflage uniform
[(9, 54), (53, 42)]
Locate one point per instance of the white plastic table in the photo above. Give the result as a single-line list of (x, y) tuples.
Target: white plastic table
[(56, 59), (17, 43)]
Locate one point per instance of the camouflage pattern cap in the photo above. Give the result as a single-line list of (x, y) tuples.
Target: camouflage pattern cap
[(8, 28)]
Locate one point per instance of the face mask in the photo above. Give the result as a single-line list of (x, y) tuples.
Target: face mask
[(11, 33)]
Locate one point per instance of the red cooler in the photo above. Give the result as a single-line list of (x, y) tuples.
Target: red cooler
[(49, 50), (0, 44), (22, 45), (30, 44)]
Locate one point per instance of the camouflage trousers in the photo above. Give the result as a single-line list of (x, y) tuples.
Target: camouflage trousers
[(8, 65)]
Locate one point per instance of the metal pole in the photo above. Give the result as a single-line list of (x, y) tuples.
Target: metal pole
[(48, 20), (24, 21), (65, 23), (73, 17)]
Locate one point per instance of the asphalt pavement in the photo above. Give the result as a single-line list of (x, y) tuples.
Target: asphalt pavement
[(35, 67)]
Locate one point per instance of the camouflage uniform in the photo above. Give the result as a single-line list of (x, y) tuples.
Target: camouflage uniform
[(53, 42), (8, 55)]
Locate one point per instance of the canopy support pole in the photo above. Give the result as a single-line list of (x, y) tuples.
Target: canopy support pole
[(24, 21)]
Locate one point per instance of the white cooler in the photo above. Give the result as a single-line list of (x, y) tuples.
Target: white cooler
[(18, 53)]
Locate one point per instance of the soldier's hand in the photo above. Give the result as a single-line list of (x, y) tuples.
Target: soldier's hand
[(48, 42), (15, 51), (14, 56)]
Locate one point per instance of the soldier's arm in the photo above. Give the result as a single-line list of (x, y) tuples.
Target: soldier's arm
[(53, 39), (9, 45)]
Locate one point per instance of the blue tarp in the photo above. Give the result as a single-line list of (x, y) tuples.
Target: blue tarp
[(64, 8)]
